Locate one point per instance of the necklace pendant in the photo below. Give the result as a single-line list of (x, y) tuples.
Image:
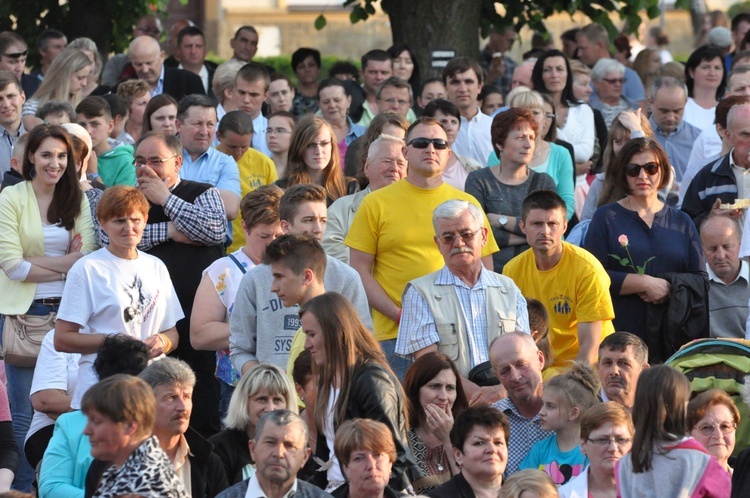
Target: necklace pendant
[(440, 468)]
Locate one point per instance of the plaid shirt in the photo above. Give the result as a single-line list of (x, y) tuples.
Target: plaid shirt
[(203, 221), (524, 433)]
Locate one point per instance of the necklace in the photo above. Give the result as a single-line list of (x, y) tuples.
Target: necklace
[(441, 460)]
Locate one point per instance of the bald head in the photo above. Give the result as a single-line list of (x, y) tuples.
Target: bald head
[(720, 238), (146, 57), (518, 364)]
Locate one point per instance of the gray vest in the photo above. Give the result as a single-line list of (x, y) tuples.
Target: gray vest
[(449, 321)]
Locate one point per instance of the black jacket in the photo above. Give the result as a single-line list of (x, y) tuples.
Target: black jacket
[(457, 487), (232, 448), (207, 478), (376, 394), (681, 319), (177, 82), (741, 475), (714, 181)]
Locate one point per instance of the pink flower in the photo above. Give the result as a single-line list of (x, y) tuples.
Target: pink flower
[(623, 240)]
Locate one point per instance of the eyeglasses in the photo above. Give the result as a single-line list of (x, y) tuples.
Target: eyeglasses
[(724, 428), (423, 143), (467, 236), (615, 81), (396, 101), (315, 145), (16, 55), (151, 161), (604, 442), (277, 131), (633, 170)]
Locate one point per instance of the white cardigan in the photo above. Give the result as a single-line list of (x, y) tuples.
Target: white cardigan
[(578, 487), (579, 131)]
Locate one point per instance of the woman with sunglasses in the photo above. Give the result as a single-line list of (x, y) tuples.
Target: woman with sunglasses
[(640, 237), (500, 189)]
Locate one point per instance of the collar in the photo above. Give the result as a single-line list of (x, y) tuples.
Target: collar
[(183, 452), (477, 117), (743, 273), (187, 157), (177, 182), (447, 277), (6, 133), (733, 165), (506, 405), (255, 491), (658, 129)]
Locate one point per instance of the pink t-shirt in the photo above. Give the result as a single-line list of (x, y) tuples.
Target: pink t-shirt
[(4, 405)]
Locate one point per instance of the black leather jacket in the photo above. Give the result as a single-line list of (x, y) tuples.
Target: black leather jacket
[(376, 394)]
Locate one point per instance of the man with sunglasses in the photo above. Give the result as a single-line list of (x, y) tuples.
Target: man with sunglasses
[(391, 240), (13, 54), (460, 309)]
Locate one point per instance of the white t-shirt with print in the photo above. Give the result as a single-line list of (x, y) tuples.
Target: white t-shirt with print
[(108, 295)]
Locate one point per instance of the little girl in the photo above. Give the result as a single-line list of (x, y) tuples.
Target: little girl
[(566, 397)]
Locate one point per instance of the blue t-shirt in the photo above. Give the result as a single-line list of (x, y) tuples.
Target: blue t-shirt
[(560, 466)]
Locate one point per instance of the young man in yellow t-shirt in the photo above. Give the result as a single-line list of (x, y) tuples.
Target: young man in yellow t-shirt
[(570, 282)]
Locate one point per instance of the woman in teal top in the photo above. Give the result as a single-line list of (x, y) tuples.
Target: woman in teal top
[(548, 157)]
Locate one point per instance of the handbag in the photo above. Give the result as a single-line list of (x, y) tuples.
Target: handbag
[(22, 338)]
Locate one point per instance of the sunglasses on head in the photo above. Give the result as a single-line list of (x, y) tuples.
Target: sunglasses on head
[(16, 55), (634, 170), (423, 143)]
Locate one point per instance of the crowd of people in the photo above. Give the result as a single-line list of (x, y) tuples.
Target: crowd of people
[(217, 282)]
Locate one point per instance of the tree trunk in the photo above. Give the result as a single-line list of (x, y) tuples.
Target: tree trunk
[(89, 19), (426, 25), (697, 12)]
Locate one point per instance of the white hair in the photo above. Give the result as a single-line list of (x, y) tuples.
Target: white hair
[(604, 67), (453, 209)]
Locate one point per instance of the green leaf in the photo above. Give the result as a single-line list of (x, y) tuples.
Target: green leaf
[(624, 261), (618, 258), (370, 8), (320, 22)]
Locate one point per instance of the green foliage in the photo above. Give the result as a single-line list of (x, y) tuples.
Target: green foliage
[(738, 8), (283, 64), (532, 13), (29, 18)]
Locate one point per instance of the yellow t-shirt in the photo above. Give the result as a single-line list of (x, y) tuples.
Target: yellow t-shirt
[(575, 290), (395, 224), (256, 169)]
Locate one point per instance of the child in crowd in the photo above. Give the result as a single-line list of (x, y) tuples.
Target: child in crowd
[(57, 112), (137, 93), (13, 175), (115, 165), (490, 99), (539, 326), (565, 398), (120, 109)]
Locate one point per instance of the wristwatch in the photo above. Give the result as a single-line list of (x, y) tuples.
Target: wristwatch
[(502, 221)]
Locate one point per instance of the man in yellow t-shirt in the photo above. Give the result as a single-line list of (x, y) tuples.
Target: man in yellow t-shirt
[(235, 135), (570, 282), (391, 240)]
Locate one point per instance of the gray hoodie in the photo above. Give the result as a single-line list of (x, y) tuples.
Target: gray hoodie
[(262, 329)]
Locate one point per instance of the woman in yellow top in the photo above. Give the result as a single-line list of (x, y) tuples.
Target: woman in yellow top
[(45, 227)]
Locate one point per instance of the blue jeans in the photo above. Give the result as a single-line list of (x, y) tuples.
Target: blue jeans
[(19, 387), (398, 364)]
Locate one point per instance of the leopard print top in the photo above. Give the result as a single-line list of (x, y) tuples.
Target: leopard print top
[(147, 472)]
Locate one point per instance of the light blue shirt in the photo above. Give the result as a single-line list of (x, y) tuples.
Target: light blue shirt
[(259, 135), (678, 145), (159, 85), (212, 167), (417, 329)]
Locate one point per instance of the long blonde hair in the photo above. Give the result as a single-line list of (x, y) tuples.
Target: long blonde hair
[(56, 84)]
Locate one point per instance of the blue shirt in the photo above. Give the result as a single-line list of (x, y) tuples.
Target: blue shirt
[(677, 144), (212, 167), (259, 135), (159, 85)]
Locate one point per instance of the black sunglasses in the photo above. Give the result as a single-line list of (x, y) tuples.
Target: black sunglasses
[(423, 143), (16, 55), (633, 170)]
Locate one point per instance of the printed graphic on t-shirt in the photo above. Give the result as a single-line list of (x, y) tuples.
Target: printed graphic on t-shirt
[(139, 306), (561, 305), (561, 474)]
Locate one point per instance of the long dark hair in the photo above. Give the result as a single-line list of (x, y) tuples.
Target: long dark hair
[(659, 413), (415, 80), (422, 371), (154, 105), (347, 344), (66, 199), (537, 80)]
